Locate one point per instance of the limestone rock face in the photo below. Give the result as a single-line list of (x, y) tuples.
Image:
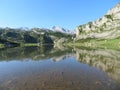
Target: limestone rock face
[(107, 27)]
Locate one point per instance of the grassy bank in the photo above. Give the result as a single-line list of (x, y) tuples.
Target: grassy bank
[(94, 43), (29, 44), (2, 46), (25, 45), (33, 44)]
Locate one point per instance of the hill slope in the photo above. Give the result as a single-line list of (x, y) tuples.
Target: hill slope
[(107, 27), (34, 35)]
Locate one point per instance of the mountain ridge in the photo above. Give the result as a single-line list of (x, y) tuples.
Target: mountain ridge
[(106, 27)]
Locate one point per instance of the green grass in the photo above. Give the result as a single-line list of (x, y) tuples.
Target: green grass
[(111, 43), (2, 46), (94, 43), (33, 44), (29, 44)]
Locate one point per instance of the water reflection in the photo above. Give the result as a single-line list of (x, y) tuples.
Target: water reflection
[(43, 68), (106, 60), (32, 53)]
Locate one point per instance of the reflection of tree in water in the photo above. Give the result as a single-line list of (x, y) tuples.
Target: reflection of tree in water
[(106, 60)]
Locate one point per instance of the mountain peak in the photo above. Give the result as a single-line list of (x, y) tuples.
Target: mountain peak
[(118, 5), (59, 29), (115, 9)]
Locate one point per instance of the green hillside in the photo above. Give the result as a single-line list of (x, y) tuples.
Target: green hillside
[(34, 36)]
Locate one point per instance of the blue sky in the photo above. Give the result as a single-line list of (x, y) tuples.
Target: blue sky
[(48, 13)]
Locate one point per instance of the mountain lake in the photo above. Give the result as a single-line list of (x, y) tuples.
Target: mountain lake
[(59, 68)]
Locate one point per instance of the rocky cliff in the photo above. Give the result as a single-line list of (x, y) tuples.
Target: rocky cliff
[(107, 27)]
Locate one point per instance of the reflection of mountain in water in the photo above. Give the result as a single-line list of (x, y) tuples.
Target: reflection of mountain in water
[(34, 53), (106, 60)]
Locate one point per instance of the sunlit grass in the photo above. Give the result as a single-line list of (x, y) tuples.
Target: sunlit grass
[(29, 44), (2, 46), (94, 43)]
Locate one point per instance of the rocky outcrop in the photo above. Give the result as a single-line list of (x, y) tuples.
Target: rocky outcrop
[(107, 27)]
